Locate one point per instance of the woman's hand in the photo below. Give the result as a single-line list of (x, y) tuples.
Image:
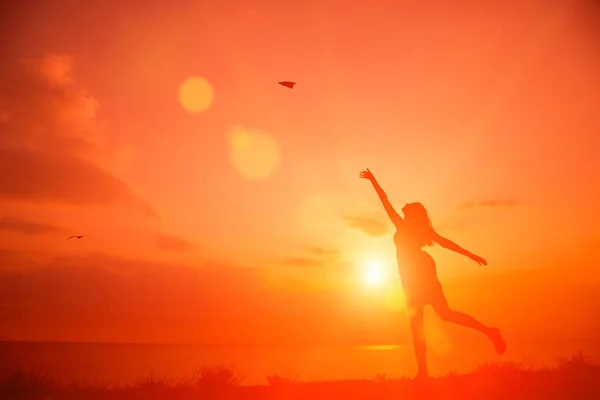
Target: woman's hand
[(367, 175), (478, 260)]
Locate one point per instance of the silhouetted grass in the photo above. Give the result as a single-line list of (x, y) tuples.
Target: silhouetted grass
[(575, 377), (281, 381)]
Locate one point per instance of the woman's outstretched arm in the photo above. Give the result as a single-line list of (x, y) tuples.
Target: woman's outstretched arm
[(450, 245), (389, 209)]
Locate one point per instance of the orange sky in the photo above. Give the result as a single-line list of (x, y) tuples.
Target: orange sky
[(250, 213)]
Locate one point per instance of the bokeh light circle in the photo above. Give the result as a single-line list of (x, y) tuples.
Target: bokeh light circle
[(254, 154), (196, 94)]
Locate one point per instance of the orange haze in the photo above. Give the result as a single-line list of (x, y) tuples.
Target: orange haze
[(228, 209)]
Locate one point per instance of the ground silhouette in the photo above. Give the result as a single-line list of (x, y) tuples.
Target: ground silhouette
[(573, 378)]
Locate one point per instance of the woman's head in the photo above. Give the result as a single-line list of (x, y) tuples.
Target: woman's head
[(417, 218)]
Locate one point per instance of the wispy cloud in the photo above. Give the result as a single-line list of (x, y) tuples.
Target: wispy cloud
[(53, 147), (369, 226), (37, 177), (303, 261), (316, 256), (28, 227), (172, 243), (321, 252), (506, 203)]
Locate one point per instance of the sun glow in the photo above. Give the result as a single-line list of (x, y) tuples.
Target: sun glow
[(374, 274)]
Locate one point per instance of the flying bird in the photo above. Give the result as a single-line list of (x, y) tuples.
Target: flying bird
[(287, 84), (76, 236)]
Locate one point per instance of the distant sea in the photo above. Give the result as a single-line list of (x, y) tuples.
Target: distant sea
[(125, 363)]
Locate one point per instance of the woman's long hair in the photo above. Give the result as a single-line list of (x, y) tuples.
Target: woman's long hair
[(417, 218)]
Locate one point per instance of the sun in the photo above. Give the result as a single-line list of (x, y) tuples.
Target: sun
[(374, 274)]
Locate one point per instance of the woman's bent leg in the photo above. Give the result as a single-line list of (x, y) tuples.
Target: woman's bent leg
[(440, 305)]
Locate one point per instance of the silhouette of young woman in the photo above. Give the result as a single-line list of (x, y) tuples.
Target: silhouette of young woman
[(418, 273)]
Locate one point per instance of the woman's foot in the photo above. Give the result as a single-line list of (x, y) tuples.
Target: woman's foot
[(422, 376), (496, 337)]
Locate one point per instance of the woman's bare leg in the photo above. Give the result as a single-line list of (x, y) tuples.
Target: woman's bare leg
[(440, 305), (418, 335)]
